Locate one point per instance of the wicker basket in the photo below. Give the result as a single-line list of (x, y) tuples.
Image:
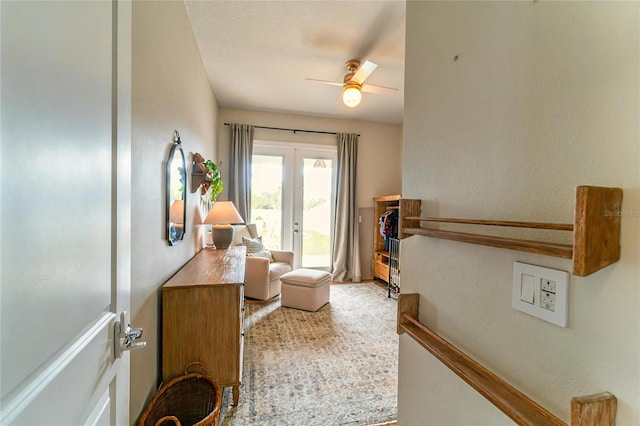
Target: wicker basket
[(192, 399)]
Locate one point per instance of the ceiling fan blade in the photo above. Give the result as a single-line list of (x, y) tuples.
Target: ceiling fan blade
[(333, 83), (372, 88), (389, 21), (364, 71)]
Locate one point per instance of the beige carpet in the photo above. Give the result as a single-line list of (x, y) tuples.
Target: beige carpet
[(337, 366)]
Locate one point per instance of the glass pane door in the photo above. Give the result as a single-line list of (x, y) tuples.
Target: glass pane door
[(266, 198), (292, 201), (315, 211)]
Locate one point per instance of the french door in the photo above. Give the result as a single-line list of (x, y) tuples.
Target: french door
[(293, 199)]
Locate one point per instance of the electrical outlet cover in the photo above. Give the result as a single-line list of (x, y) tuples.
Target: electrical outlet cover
[(559, 314)]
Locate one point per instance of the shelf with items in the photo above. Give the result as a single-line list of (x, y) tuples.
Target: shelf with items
[(381, 265), (596, 231), (200, 174), (382, 258)]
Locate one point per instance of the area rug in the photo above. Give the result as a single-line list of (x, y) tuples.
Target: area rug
[(336, 366)]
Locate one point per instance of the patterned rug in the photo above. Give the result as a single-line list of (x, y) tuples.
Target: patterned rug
[(337, 366)]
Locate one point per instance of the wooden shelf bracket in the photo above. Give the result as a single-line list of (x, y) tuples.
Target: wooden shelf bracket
[(592, 410)]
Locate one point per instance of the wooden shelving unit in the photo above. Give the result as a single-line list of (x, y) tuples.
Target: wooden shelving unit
[(405, 207), (596, 231)]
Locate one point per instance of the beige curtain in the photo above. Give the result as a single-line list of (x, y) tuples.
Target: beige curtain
[(240, 154), (346, 238)]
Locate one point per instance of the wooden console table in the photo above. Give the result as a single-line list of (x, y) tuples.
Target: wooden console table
[(203, 316)]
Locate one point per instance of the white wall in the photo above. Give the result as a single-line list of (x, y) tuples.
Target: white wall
[(170, 91), (543, 97), (379, 156)]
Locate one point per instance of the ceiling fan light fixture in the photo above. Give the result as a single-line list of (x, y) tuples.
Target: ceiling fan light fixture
[(351, 96)]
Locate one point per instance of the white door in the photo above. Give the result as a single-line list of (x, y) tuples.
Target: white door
[(65, 199), (293, 199)]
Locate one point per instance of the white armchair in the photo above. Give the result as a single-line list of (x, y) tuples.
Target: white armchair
[(262, 275)]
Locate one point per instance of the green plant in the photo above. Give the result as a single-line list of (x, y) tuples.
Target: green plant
[(216, 180)]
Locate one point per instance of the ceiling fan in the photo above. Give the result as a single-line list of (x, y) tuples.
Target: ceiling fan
[(353, 83)]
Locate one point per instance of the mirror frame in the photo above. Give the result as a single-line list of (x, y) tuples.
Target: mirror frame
[(173, 237)]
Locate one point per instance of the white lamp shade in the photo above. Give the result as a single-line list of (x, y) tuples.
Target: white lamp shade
[(351, 96), (221, 216), (223, 213)]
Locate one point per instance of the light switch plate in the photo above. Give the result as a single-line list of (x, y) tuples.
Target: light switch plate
[(528, 288), (550, 292)]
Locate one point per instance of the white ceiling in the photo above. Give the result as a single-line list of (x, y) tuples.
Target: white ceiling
[(257, 54)]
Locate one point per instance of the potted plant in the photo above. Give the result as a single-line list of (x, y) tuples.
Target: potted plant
[(206, 175), (216, 180)]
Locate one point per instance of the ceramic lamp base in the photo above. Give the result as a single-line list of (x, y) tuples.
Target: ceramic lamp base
[(222, 236)]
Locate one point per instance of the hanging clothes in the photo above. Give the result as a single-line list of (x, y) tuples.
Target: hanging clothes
[(388, 226)]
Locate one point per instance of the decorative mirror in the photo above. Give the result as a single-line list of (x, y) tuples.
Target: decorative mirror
[(176, 192)]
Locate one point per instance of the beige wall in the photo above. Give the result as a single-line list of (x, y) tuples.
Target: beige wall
[(543, 97), (379, 156), (170, 91)]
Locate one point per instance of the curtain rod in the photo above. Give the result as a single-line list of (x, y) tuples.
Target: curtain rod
[(292, 130)]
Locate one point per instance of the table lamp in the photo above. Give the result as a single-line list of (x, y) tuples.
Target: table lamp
[(176, 213), (222, 215)]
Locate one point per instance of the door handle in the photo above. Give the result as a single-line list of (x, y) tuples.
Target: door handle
[(125, 336)]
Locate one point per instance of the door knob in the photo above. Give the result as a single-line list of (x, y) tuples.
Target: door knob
[(125, 336)]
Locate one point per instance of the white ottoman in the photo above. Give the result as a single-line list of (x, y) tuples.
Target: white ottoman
[(306, 289)]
